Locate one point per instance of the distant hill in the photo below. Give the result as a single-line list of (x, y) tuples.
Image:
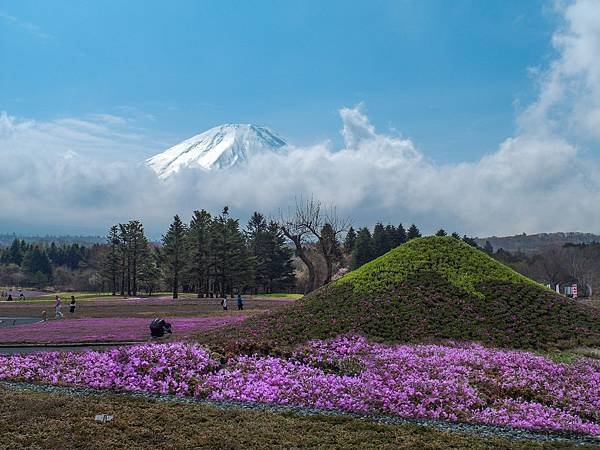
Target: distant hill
[(535, 243), (6, 239), (427, 290)]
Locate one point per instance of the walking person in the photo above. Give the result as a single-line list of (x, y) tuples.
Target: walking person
[(224, 302), (72, 305), (240, 302), (58, 308)]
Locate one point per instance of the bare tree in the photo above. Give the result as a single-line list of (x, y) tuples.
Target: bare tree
[(292, 226)]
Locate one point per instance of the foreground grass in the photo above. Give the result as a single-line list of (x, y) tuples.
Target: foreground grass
[(41, 420)]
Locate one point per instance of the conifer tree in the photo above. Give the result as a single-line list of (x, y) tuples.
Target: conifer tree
[(199, 251), (363, 249), (413, 232), (441, 232), (173, 253), (350, 240), (381, 242), (401, 235), (111, 259)]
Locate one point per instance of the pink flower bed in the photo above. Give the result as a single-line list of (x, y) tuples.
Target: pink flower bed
[(107, 329), (458, 383)]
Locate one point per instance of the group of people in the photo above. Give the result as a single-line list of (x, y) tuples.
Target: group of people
[(9, 297), (58, 307), (240, 302)]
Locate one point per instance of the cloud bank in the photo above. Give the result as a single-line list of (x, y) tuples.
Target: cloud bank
[(541, 179)]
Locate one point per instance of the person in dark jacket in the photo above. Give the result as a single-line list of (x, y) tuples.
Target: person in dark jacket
[(72, 305), (240, 302), (159, 327)]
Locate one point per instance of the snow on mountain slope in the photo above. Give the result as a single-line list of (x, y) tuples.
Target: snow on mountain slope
[(218, 148)]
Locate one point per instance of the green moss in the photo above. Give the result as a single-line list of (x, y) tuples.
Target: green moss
[(429, 290), (456, 262)]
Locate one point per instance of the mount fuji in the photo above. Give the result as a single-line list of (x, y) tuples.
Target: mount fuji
[(218, 148)]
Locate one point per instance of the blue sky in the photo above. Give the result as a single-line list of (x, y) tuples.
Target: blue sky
[(449, 75), (481, 117)]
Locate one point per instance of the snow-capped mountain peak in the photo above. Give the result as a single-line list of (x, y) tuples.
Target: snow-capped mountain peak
[(218, 148)]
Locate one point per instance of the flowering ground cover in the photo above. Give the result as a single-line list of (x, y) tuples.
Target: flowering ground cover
[(142, 307), (427, 290), (466, 383), (115, 329)]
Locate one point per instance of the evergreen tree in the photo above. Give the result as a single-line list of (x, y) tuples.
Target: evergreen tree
[(413, 232), (233, 262), (258, 241), (280, 267), (470, 241), (401, 237), (363, 249), (199, 250), (330, 249), (15, 252), (36, 261), (488, 248), (138, 248), (111, 258), (350, 240), (174, 254), (441, 232), (381, 241), (392, 235), (455, 235)]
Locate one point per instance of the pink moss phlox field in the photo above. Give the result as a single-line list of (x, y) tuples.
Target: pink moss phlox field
[(158, 368), (107, 329), (454, 382)]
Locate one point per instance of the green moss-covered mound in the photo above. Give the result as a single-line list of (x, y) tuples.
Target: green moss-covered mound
[(427, 290)]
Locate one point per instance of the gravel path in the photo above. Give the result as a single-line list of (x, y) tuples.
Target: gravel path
[(475, 429)]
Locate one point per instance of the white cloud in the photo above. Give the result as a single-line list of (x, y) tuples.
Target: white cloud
[(64, 171), (27, 26)]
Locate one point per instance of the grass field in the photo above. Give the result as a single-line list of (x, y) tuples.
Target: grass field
[(39, 421)]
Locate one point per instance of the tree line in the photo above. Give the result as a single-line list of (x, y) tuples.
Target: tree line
[(209, 256), (36, 263)]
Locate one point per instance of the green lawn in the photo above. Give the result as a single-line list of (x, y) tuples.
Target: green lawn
[(48, 421)]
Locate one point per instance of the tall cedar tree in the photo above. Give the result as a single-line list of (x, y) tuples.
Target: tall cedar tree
[(401, 235), (174, 254), (199, 249), (280, 267), (363, 248), (233, 262), (110, 263), (413, 232), (381, 241), (350, 240), (330, 249), (441, 232)]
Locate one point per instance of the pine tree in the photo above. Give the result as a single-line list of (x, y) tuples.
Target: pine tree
[(280, 269), (199, 250), (381, 242), (413, 232), (174, 254), (489, 249), (111, 258), (36, 261), (363, 249), (455, 235), (330, 249), (401, 235), (441, 232), (350, 240), (233, 262)]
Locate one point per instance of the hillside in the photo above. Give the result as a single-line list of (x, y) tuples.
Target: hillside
[(536, 243), (427, 290)]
